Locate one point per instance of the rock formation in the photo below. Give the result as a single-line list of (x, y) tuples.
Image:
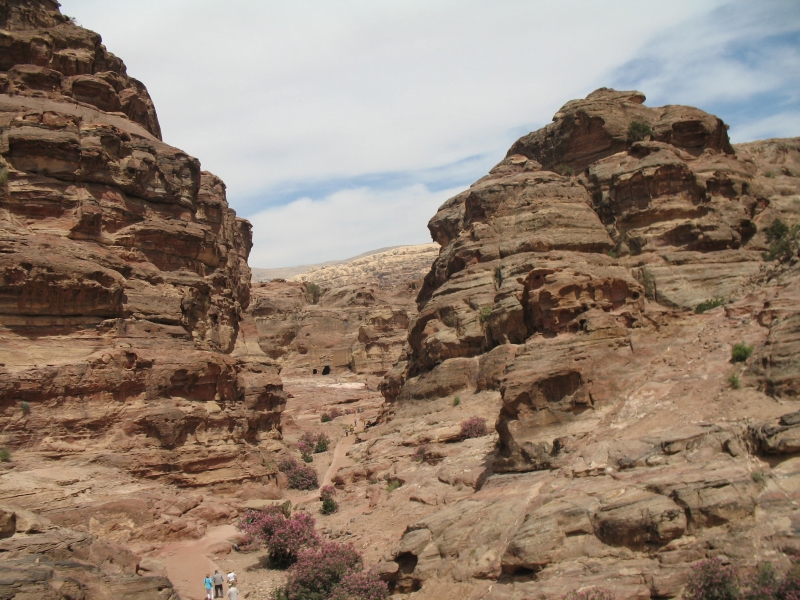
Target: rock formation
[(123, 278), (561, 309)]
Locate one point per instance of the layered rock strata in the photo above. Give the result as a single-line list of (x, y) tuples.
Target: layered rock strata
[(560, 308), (123, 273)]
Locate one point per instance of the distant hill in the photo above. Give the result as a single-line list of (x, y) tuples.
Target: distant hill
[(379, 265)]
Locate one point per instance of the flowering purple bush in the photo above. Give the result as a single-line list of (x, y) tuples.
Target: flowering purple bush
[(322, 443), (300, 476), (329, 505), (319, 569), (283, 537), (305, 451), (589, 594), (474, 427), (365, 585), (713, 580)]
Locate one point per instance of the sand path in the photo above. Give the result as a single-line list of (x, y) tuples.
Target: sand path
[(339, 460), (189, 561)]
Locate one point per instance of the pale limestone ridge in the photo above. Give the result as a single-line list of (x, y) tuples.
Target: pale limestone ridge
[(383, 269)]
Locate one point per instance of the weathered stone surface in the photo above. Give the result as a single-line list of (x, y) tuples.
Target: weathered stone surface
[(557, 310)]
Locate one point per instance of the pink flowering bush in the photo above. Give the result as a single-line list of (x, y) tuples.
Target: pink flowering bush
[(319, 570), (589, 594), (329, 505), (713, 580), (284, 537), (474, 427), (365, 585), (300, 476)]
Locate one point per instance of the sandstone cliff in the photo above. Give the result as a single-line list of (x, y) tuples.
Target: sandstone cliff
[(123, 278), (561, 310)]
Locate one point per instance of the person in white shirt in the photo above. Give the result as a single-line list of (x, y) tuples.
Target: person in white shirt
[(233, 593), (231, 577)]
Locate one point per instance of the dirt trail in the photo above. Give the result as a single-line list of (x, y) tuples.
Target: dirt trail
[(339, 460), (188, 562)]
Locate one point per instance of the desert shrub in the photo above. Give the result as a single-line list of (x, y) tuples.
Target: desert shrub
[(498, 276), (612, 254), (322, 443), (784, 240), (313, 291), (589, 594), (637, 131), (419, 454), (456, 401), (776, 230), (305, 450), (331, 415), (474, 427), (300, 476), (757, 476), (283, 537), (565, 170), (734, 381), (393, 485), (365, 585), (3, 176), (5, 455), (25, 406), (741, 352), (319, 569), (708, 305), (713, 580), (486, 311), (649, 283), (329, 505)]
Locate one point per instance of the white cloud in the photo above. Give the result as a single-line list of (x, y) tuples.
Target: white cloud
[(277, 96), (265, 92), (776, 126), (343, 224)]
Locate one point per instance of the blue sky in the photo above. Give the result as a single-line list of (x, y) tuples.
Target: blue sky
[(341, 127)]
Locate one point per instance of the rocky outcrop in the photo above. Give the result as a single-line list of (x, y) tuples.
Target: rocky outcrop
[(352, 318), (44, 55), (561, 309), (123, 272)]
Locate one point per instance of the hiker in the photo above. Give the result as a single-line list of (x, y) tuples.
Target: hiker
[(231, 578), (233, 593), (218, 581), (208, 585)]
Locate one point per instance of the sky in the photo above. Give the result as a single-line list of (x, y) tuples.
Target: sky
[(341, 127)]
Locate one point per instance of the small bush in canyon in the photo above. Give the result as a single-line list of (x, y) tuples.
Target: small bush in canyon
[(329, 505), (474, 427), (713, 580), (300, 476), (741, 352), (419, 453), (330, 415), (283, 537), (637, 131), (331, 571), (589, 594)]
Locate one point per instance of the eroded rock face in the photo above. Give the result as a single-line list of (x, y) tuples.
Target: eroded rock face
[(560, 309), (123, 272), (43, 54)]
